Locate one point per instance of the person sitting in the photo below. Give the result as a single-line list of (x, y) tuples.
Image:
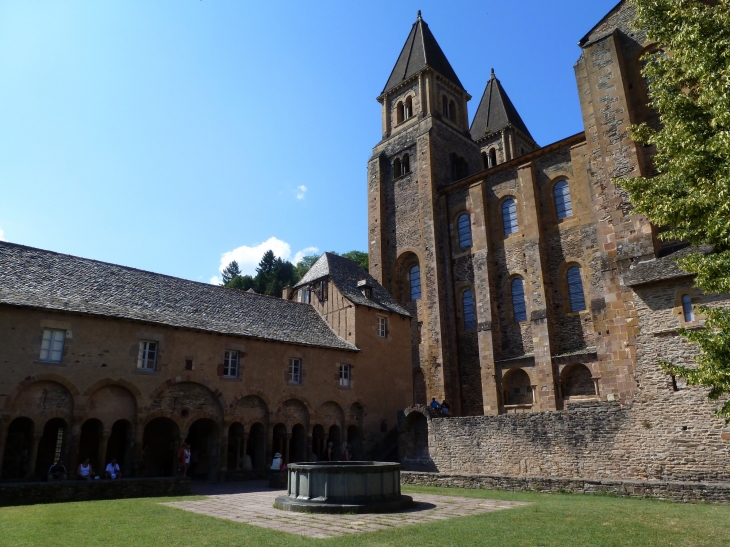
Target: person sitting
[(445, 408), (112, 470), (434, 404), (57, 472), (276, 462), (85, 472)]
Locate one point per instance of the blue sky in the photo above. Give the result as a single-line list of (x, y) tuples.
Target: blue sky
[(172, 135)]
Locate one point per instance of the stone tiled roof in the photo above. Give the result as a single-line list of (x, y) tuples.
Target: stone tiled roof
[(661, 269), (420, 50), (44, 279), (346, 274), (495, 112)]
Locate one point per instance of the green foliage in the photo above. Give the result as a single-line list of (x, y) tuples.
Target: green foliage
[(359, 257), (231, 271), (241, 282), (305, 264), (689, 81), (273, 274)]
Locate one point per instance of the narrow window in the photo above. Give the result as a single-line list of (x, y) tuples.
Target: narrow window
[(689, 315), (147, 356), (230, 364), (485, 160), (408, 108), (492, 158), (464, 225), (452, 110), (414, 279), (509, 216), (519, 307), (406, 165), (345, 375), (399, 113), (383, 327), (52, 345), (324, 290), (575, 290), (295, 371), (470, 319), (445, 106), (397, 169), (563, 203)]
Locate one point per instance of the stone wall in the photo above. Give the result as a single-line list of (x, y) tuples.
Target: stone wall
[(686, 492)]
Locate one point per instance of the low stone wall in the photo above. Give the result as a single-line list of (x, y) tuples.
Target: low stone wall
[(683, 492), (31, 493)]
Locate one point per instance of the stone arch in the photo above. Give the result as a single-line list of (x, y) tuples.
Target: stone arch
[(356, 413), (43, 400), (577, 381), (18, 446), (292, 412), (160, 442), (110, 403), (330, 413), (187, 398), (250, 409), (517, 387), (413, 443), (403, 265), (30, 380), (189, 379), (121, 382), (90, 443), (203, 437), (53, 445)]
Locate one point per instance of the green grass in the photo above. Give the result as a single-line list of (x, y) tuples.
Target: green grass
[(550, 520)]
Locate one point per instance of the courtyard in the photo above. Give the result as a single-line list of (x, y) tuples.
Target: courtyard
[(241, 514)]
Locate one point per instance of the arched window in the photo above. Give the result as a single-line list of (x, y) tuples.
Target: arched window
[(445, 106), (689, 315), (397, 168), (575, 289), (485, 160), (408, 108), (414, 279), (399, 112), (452, 110), (406, 165), (519, 307), (563, 203), (492, 158), (470, 318), (464, 226), (509, 216)]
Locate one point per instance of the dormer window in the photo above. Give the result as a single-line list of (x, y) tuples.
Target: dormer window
[(365, 288)]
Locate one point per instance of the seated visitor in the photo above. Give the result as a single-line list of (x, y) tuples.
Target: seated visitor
[(247, 463), (445, 408), (57, 472), (112, 470), (276, 462), (434, 403), (85, 471)]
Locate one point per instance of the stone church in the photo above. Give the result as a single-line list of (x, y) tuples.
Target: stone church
[(533, 284)]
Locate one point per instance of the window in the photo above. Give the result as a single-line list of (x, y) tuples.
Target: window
[(399, 113), (383, 327), (492, 158), (230, 364), (509, 216), (452, 110), (52, 345), (406, 164), (323, 290), (445, 106), (464, 226), (408, 108), (485, 160), (147, 357), (519, 307), (689, 315), (414, 280), (575, 290), (397, 168), (563, 204), (295, 371), (470, 318), (305, 295), (345, 374)]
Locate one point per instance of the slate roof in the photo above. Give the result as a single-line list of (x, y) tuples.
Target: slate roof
[(421, 50), (44, 279), (495, 112), (661, 269), (345, 274)]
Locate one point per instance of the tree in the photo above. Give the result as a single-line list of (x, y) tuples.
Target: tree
[(359, 257), (690, 90), (241, 282), (230, 271), (273, 274), (304, 265)]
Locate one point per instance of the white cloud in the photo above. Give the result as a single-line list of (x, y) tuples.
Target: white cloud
[(215, 280), (301, 190), (248, 258), (2, 235)]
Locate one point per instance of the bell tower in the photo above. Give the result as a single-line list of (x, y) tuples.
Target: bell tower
[(426, 145)]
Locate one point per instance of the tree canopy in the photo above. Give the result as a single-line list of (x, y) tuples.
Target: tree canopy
[(689, 87)]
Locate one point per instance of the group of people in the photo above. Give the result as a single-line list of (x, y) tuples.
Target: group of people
[(331, 454), (57, 472), (443, 407)]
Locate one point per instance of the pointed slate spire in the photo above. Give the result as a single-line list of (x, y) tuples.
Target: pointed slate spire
[(421, 50), (496, 112)]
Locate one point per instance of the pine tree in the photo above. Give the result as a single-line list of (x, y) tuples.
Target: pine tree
[(230, 271)]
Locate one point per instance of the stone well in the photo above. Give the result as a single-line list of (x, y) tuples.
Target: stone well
[(343, 487)]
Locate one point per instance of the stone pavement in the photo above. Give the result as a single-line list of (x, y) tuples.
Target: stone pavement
[(255, 507)]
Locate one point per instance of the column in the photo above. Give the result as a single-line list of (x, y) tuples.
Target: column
[(244, 444), (34, 456), (101, 458), (285, 454)]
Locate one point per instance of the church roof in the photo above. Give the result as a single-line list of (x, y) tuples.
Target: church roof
[(44, 279), (421, 50), (495, 112), (346, 274)]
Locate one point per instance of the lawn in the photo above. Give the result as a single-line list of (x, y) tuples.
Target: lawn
[(550, 520)]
